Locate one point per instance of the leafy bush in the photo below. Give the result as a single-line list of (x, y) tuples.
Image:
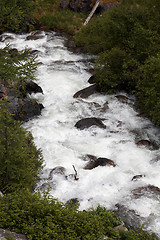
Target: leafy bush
[(45, 218), (16, 15), (127, 39), (63, 20), (20, 161), (16, 67)]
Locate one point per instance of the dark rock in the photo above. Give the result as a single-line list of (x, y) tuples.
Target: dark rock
[(136, 177), (81, 6), (45, 186), (99, 162), (149, 189), (86, 92), (122, 98), (105, 107), (24, 110), (119, 124), (91, 80), (64, 4), (89, 122), (32, 87), (57, 170), (5, 37), (89, 157), (103, 7), (130, 218), (71, 46), (73, 202), (97, 105), (35, 52), (143, 143), (5, 234), (34, 37)]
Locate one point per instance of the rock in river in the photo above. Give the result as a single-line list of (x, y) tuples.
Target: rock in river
[(95, 162), (89, 122), (86, 92)]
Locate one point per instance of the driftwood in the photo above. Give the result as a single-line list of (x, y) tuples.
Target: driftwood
[(75, 175), (91, 13)]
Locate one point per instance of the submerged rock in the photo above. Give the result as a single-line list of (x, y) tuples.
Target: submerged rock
[(89, 122), (34, 37), (105, 107), (122, 98), (86, 92), (57, 170), (95, 162), (149, 189), (73, 202), (130, 218), (143, 143)]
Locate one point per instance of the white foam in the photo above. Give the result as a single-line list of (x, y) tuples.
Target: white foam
[(64, 145)]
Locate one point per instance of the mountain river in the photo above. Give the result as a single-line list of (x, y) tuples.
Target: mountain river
[(61, 74)]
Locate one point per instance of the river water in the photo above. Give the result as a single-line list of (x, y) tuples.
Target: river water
[(61, 74)]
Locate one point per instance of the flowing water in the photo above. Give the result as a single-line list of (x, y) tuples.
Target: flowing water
[(61, 74)]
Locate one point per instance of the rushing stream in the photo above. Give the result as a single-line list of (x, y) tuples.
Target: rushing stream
[(61, 74)]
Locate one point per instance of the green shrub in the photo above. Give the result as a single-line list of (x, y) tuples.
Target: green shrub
[(63, 20), (16, 15), (127, 39), (45, 218), (20, 161)]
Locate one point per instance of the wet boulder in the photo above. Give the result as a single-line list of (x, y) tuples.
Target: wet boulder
[(95, 162), (80, 5), (24, 109), (145, 143), (122, 98), (73, 202), (137, 177), (130, 218), (86, 92), (89, 122), (149, 189), (57, 171), (64, 4), (32, 87), (91, 80), (105, 107), (35, 35), (103, 7)]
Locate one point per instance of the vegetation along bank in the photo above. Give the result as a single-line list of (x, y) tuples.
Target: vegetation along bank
[(126, 41)]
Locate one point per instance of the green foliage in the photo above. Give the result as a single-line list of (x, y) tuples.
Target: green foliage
[(16, 67), (63, 20), (127, 39), (16, 15), (148, 87), (20, 161), (45, 218)]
